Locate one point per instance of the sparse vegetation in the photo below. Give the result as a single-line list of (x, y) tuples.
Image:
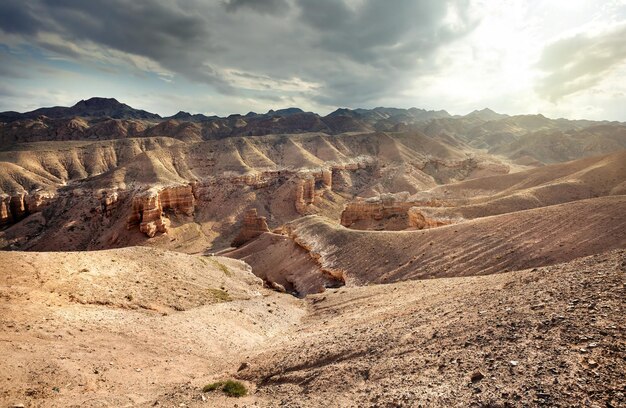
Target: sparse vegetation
[(222, 267), (220, 295), (212, 386), (231, 388)]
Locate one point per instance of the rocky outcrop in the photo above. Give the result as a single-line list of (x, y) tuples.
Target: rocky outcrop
[(305, 193), (148, 208), (376, 208), (314, 183), (286, 266), (15, 207), (108, 201), (419, 219), (253, 226), (388, 212)]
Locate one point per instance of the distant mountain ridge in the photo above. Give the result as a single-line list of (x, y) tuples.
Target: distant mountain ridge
[(91, 108), (98, 107), (527, 139)]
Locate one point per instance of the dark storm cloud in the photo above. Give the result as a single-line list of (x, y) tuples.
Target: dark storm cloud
[(579, 62), (16, 16), (396, 31), (261, 6), (389, 41), (353, 51)]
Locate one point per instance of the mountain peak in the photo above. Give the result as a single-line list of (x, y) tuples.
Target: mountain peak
[(486, 114), (286, 111), (99, 103)]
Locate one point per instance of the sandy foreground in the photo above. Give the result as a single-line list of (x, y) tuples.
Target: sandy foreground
[(145, 327)]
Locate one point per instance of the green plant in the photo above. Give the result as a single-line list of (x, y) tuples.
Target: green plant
[(213, 386), (234, 388), (230, 387), (220, 295), (222, 267)]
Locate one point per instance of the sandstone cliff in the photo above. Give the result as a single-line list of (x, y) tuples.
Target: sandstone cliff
[(253, 226), (15, 207), (148, 208), (388, 212), (420, 219)]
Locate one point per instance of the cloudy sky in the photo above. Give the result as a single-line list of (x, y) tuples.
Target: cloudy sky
[(562, 58)]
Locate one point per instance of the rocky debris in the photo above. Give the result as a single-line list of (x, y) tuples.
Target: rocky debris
[(476, 376), (148, 208), (253, 225), (450, 342)]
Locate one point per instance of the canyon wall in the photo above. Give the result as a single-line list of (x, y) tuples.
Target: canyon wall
[(148, 207), (389, 212), (253, 225), (15, 207), (419, 219)]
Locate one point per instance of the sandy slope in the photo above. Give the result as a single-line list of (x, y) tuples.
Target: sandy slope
[(501, 243), (72, 336), (558, 183), (551, 336), (113, 328)]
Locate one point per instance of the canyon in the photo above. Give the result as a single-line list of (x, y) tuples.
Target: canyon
[(381, 255)]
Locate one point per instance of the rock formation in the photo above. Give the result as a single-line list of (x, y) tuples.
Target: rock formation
[(148, 208), (420, 220), (375, 208), (305, 193), (15, 207), (253, 226), (389, 212)]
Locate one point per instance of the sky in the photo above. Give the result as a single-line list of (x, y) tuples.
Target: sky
[(561, 58)]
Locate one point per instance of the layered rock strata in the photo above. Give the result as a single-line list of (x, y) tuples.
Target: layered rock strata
[(253, 226), (16, 207), (388, 211), (419, 219), (148, 208)]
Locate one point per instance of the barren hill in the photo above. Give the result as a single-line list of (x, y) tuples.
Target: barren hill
[(513, 241), (559, 183), (551, 336)]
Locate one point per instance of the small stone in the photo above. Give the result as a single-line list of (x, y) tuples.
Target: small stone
[(138, 370), (514, 363), (592, 345), (243, 366), (18, 405), (477, 376), (592, 363)]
